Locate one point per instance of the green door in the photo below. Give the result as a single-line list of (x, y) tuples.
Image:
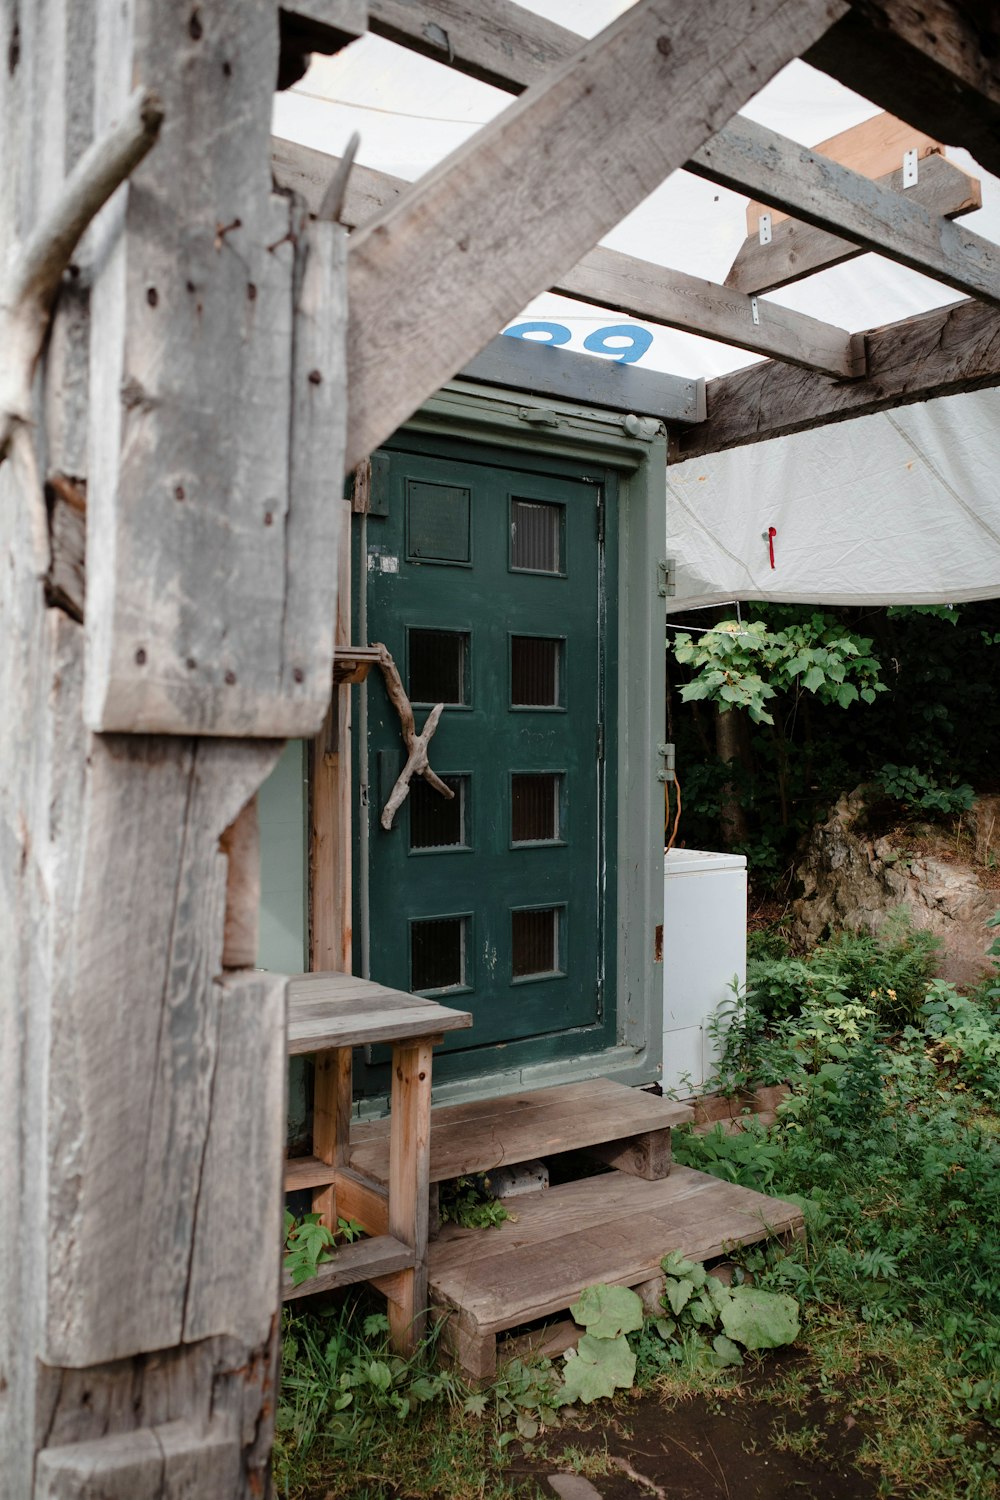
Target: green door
[(488, 584)]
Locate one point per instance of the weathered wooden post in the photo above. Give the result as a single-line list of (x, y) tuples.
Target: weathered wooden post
[(191, 398)]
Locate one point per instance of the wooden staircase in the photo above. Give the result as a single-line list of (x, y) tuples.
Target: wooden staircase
[(612, 1227)]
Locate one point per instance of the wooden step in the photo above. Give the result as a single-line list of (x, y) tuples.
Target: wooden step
[(614, 1228), (364, 1260), (615, 1121)]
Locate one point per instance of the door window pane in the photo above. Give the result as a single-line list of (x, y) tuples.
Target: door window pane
[(437, 953), (534, 808), (438, 522), (436, 822), (437, 666), (535, 942), (536, 530), (534, 672)]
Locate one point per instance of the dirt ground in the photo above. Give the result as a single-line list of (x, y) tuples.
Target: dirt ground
[(708, 1450)]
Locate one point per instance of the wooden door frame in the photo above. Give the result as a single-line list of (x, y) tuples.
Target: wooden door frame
[(636, 448)]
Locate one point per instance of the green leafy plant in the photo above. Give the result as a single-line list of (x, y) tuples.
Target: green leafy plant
[(310, 1244), (711, 1321), (603, 1360), (468, 1201), (920, 791), (745, 664)]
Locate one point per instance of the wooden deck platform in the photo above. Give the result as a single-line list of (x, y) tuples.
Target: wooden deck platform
[(614, 1228), (624, 1126)]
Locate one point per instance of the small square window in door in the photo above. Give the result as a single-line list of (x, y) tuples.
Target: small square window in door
[(536, 536), (438, 954), (436, 822), (535, 942), (438, 665), (535, 672), (438, 523), (534, 807)]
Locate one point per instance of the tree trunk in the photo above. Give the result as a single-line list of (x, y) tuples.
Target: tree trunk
[(731, 746)]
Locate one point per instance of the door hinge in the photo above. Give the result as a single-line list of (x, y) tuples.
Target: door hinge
[(601, 513), (666, 574)]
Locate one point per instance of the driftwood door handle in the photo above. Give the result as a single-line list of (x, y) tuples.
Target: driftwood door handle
[(417, 763)]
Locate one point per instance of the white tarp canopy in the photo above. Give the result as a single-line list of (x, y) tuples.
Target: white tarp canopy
[(901, 507)]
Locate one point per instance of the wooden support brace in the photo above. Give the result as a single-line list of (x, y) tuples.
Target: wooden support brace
[(646, 1155), (332, 1087), (409, 1162)]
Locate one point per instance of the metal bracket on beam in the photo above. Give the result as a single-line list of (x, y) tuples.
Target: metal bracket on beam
[(764, 229), (667, 586), (910, 167), (669, 764)]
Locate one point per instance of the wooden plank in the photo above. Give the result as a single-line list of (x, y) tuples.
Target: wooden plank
[(619, 282), (409, 1153), (940, 353), (479, 40), (519, 1276), (874, 148), (144, 920), (523, 364), (478, 1136), (747, 157), (362, 1030), (797, 249), (642, 290), (197, 297), (306, 1172), (432, 278), (331, 845), (323, 25), (364, 1260), (936, 65)]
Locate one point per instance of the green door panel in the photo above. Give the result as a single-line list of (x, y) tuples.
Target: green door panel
[(488, 584)]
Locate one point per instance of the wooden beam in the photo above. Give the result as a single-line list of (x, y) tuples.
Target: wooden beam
[(483, 41), (432, 279), (609, 279), (940, 353), (874, 148), (676, 300), (936, 65), (797, 250), (747, 157)]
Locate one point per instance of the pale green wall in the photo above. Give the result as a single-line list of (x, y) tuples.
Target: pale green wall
[(282, 803)]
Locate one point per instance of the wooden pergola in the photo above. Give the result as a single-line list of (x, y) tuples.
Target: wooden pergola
[(184, 383)]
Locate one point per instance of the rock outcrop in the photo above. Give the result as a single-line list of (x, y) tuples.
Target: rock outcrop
[(851, 880)]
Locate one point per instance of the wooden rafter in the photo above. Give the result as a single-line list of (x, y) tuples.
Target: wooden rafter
[(797, 250), (875, 148), (479, 41), (940, 353), (936, 65), (618, 282), (746, 156), (432, 279)]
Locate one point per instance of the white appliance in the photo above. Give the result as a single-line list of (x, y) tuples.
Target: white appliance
[(704, 949)]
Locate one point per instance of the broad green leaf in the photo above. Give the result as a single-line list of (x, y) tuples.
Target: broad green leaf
[(527, 1427), (608, 1310), (814, 679), (597, 1368), (760, 1320), (726, 1352), (847, 694), (475, 1405), (716, 1292), (678, 1294), (675, 1264)]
